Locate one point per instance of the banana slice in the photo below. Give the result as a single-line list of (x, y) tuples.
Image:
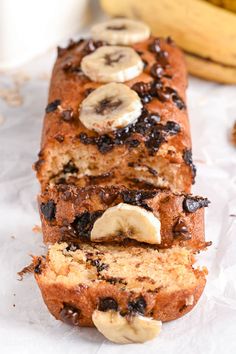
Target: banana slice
[(125, 330), (110, 107), (120, 31), (112, 64), (129, 220)]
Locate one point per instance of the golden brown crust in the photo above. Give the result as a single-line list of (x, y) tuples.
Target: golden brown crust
[(71, 202), (62, 136), (160, 305)]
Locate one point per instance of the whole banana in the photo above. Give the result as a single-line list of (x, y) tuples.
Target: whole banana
[(205, 32)]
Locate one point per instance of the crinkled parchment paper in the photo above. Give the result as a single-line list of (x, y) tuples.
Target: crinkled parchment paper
[(25, 324)]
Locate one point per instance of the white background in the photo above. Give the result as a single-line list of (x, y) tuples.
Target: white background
[(25, 324)]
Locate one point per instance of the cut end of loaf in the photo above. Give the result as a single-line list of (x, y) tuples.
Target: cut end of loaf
[(83, 275)]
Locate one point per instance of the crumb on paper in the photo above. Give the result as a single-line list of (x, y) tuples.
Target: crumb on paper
[(13, 237), (12, 96), (233, 134), (37, 229), (26, 270)]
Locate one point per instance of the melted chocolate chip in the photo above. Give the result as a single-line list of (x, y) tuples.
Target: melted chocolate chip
[(137, 306), (180, 230), (67, 114), (137, 197), (178, 101), (157, 71), (155, 47), (104, 143), (70, 315), (107, 105), (192, 204), (187, 156), (83, 223), (113, 280), (52, 106), (59, 138), (162, 58), (48, 210), (91, 46), (107, 198), (70, 168), (37, 268), (107, 303), (71, 247)]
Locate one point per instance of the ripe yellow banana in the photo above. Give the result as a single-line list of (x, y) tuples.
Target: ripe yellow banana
[(227, 4), (207, 33)]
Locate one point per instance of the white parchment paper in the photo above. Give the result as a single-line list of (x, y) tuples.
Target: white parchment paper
[(25, 324)]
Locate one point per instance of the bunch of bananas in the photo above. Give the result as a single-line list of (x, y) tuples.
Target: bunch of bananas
[(205, 30)]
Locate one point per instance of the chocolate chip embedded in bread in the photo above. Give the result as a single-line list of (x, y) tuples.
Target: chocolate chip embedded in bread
[(107, 198), (70, 315), (137, 306), (107, 303), (48, 210), (180, 230), (67, 114), (191, 204), (155, 46), (52, 106)]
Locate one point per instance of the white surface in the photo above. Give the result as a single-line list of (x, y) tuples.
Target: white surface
[(28, 27), (27, 327)]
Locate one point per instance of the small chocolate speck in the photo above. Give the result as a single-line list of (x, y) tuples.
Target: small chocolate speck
[(67, 114)]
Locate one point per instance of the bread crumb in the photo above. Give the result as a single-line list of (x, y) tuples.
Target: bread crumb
[(37, 229)]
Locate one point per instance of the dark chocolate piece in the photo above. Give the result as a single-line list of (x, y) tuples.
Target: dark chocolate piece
[(48, 210), (70, 315), (137, 306), (107, 303), (52, 106), (192, 204)]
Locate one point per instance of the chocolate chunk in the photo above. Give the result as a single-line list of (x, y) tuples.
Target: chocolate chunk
[(192, 204), (83, 223), (157, 71), (104, 143), (37, 268), (70, 168), (59, 138), (133, 143), (137, 306), (143, 90), (187, 156), (162, 58), (72, 247), (67, 114), (155, 47), (52, 106), (70, 314), (85, 139), (137, 197), (48, 210), (91, 46), (180, 230), (99, 265), (172, 128), (107, 198), (178, 101), (107, 303)]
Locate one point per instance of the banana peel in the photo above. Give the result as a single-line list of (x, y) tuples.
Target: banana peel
[(207, 33)]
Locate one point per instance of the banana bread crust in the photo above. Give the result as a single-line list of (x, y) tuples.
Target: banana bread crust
[(111, 159), (68, 202)]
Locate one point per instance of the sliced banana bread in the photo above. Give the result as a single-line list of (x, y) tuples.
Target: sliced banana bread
[(69, 213), (75, 280)]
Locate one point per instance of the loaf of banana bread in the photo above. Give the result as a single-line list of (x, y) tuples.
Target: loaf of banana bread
[(71, 214), (117, 115)]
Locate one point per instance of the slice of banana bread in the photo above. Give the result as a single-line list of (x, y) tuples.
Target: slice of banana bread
[(153, 150), (75, 280), (69, 213)]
